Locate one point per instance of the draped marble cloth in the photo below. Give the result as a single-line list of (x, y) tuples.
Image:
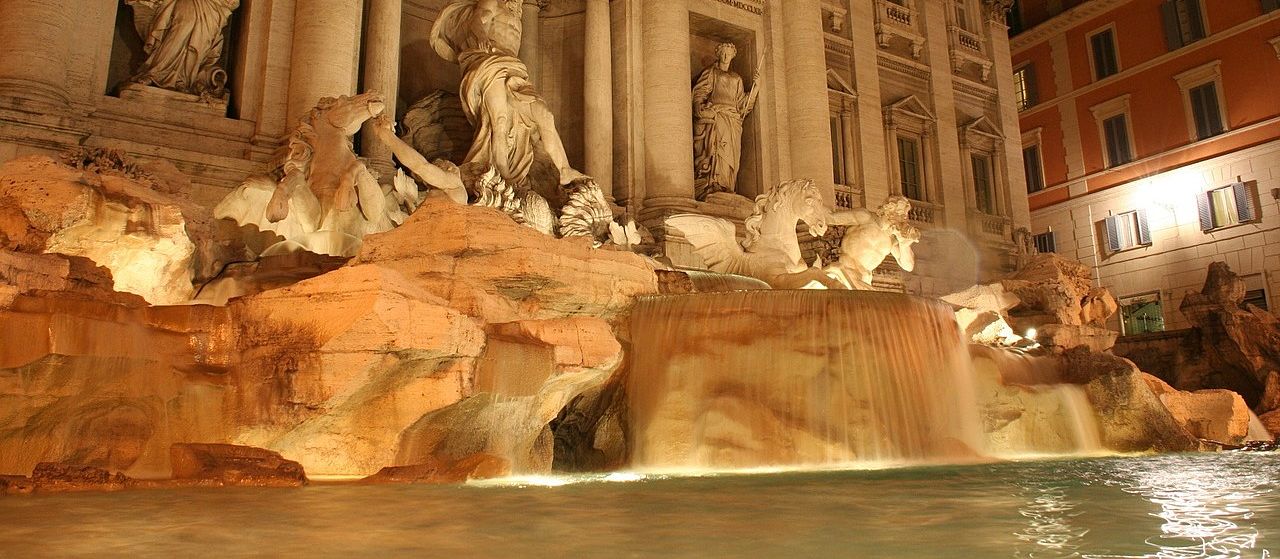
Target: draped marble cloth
[(184, 44), (720, 106), (485, 65)]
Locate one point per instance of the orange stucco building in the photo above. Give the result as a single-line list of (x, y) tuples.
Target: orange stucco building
[(1151, 143)]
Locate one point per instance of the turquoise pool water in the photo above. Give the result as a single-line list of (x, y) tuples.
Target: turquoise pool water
[(1173, 506)]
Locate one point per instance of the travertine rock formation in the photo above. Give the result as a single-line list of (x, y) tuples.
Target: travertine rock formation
[(121, 220), (1238, 341), (460, 313), (226, 464), (489, 267)]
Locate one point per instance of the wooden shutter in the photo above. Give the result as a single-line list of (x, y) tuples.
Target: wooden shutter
[(1196, 19), (1033, 96), (1172, 31), (1144, 230), (1246, 210), (1113, 233), (1205, 208)]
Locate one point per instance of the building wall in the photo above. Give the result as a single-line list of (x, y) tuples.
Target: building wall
[(1171, 167)]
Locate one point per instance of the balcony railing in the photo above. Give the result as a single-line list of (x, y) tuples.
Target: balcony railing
[(896, 20), (848, 197), (967, 48), (924, 212), (991, 225)]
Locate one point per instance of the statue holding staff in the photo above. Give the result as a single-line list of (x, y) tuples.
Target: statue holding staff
[(720, 105)]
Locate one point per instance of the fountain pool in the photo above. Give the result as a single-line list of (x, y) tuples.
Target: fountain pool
[(1168, 506)]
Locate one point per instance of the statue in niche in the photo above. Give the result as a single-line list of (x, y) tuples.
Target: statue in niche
[(870, 237), (720, 105), (183, 41), (771, 251), (327, 199)]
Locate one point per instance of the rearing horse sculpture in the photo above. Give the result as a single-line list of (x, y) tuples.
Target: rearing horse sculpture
[(771, 251)]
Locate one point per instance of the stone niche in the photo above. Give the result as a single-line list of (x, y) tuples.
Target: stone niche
[(706, 32), (127, 57)]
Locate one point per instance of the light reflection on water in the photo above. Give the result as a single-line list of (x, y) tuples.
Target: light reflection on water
[(1160, 507)]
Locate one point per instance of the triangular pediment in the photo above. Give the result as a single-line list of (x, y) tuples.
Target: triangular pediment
[(911, 105), (984, 127), (837, 84)]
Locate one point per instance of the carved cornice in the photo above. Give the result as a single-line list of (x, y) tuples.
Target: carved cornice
[(1062, 22), (977, 90), (895, 63)]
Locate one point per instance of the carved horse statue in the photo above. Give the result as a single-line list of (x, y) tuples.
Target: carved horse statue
[(327, 200), (771, 251)]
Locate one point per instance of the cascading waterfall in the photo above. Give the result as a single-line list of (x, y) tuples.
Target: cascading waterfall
[(812, 379), (753, 379)]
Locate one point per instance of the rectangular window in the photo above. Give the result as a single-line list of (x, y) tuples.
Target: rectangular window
[(962, 15), (1031, 164), (1205, 110), (837, 152), (1141, 314), (1269, 6), (1105, 62), (909, 168), (1183, 22), (1024, 84), (1227, 206), (1045, 242), (984, 196), (1255, 291), (1127, 230), (1115, 131)]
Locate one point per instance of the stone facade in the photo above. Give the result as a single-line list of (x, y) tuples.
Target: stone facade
[(842, 82)]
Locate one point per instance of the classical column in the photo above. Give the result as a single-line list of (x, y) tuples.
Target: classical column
[(531, 38), (381, 72), (668, 107), (598, 96), (37, 36), (326, 47), (808, 108)]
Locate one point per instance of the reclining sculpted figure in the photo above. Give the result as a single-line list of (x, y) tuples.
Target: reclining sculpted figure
[(870, 238)]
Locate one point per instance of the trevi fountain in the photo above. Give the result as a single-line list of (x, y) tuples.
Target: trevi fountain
[(509, 319)]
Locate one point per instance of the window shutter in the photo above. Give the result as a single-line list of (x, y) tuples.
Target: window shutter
[(1113, 233), (1245, 208), (1172, 32), (1033, 95), (1051, 242), (1144, 230), (1205, 210), (1196, 19)]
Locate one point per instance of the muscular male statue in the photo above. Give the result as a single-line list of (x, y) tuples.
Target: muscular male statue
[(483, 36)]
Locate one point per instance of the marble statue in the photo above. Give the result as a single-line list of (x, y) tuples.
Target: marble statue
[(327, 200), (720, 105), (870, 237), (511, 119), (771, 251), (183, 41)]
